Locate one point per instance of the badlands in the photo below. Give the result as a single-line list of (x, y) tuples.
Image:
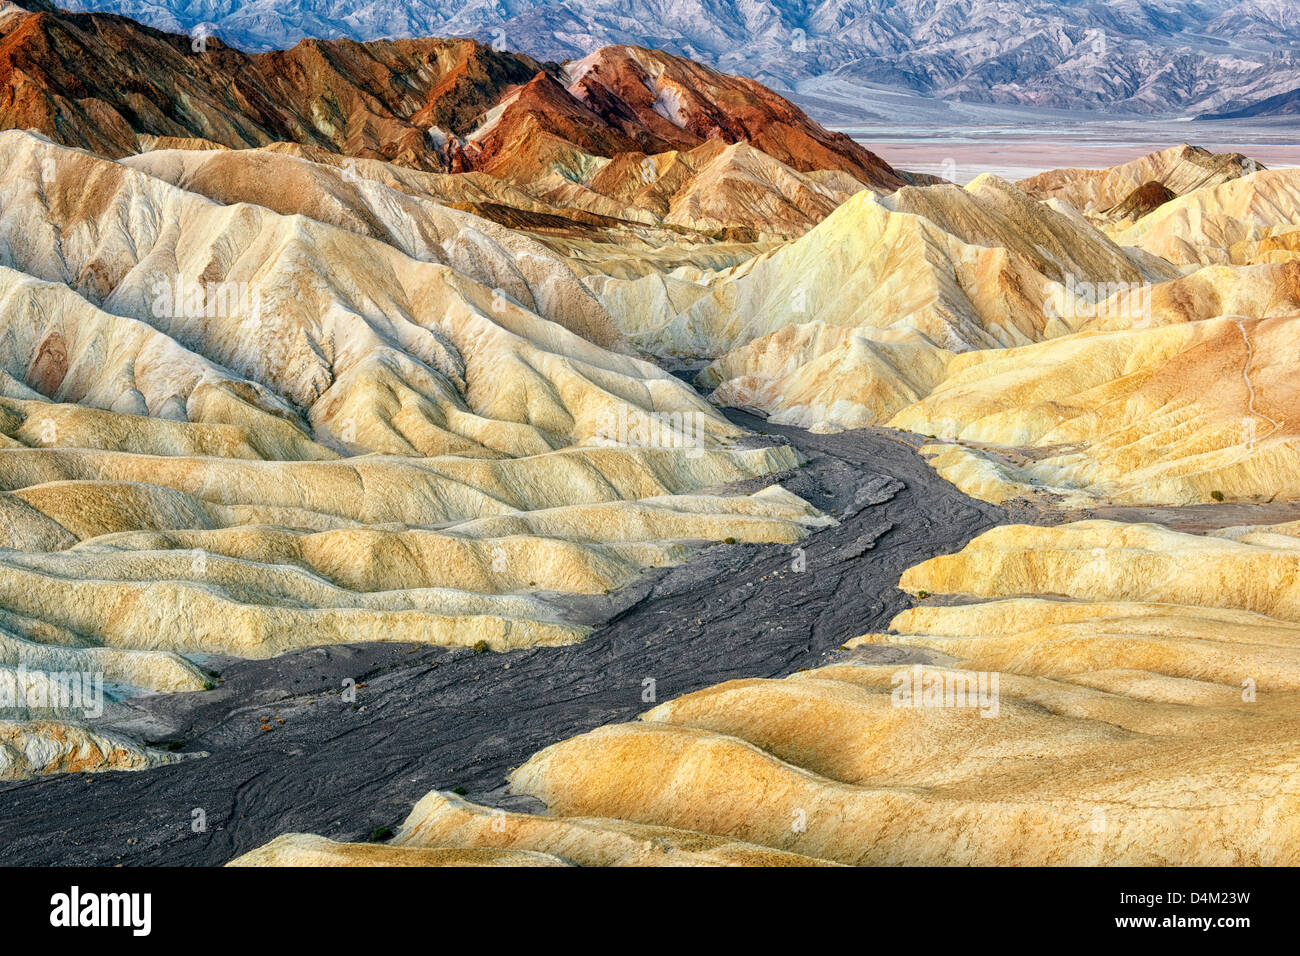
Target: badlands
[(602, 463)]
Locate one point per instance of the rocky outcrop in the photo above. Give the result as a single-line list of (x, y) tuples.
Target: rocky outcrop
[(685, 103), (589, 151), (447, 105)]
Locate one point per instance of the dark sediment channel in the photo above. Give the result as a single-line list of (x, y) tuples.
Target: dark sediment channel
[(432, 718)]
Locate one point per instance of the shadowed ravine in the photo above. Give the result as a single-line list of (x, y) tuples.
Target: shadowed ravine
[(430, 718)]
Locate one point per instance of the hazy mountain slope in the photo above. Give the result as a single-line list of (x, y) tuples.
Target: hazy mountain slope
[(1151, 57), (1281, 104)]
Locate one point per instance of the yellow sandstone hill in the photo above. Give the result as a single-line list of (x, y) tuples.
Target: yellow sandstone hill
[(444, 827), (1242, 221), (1101, 193), (251, 403), (997, 307), (816, 375), (28, 748), (352, 343), (258, 400), (416, 225), (1175, 414), (978, 315), (967, 268), (715, 190)]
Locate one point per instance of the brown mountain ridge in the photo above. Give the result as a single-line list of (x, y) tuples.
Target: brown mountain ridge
[(423, 103)]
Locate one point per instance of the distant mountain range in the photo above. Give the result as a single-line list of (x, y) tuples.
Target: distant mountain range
[(1139, 56)]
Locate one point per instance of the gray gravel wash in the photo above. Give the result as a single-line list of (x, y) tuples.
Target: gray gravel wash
[(431, 718)]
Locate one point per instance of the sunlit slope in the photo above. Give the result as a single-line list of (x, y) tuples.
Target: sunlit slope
[(1115, 193), (1242, 221), (1176, 414), (967, 268)]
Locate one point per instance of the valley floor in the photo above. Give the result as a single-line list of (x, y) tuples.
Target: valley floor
[(1015, 149)]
